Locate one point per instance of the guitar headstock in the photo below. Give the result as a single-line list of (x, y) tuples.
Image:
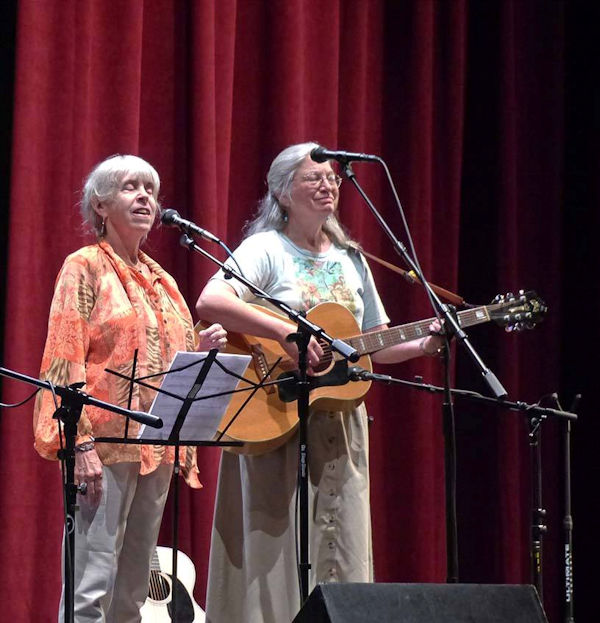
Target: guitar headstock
[(517, 312)]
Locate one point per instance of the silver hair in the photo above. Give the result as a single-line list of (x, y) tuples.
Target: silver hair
[(271, 214), (103, 184)]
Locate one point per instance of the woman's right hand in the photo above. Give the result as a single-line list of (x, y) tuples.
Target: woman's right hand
[(314, 351), (220, 303), (88, 470)]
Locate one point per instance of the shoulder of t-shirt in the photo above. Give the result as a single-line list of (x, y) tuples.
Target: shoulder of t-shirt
[(267, 242), (262, 237), (355, 256)]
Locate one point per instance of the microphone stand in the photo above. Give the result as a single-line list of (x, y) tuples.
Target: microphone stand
[(69, 412), (538, 512), (449, 468), (452, 328), (306, 329), (568, 518), (536, 415), (174, 438)]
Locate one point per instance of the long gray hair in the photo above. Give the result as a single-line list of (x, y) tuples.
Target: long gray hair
[(103, 183), (272, 215)]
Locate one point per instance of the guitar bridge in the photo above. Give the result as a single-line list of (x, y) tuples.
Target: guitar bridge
[(260, 367)]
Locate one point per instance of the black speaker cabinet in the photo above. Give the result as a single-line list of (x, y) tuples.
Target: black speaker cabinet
[(422, 603)]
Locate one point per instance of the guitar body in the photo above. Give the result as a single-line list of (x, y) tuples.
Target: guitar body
[(266, 421), (158, 607)]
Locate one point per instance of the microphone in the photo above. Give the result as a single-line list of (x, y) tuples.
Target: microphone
[(321, 154), (146, 418), (356, 373), (172, 218)]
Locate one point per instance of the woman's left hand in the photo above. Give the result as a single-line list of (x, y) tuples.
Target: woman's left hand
[(212, 337), (436, 339)]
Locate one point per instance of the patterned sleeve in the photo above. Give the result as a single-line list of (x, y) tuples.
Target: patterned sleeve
[(65, 352)]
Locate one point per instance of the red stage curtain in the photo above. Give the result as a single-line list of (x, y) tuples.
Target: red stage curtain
[(463, 102)]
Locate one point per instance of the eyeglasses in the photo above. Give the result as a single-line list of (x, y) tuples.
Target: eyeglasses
[(316, 179)]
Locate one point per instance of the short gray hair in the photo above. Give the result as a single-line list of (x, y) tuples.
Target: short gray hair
[(103, 183), (271, 214)]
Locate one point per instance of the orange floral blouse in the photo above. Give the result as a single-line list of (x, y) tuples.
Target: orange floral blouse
[(102, 311)]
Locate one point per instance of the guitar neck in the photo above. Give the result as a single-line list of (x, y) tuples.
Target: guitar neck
[(368, 343)]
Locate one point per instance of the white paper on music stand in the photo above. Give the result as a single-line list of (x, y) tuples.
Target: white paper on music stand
[(204, 416)]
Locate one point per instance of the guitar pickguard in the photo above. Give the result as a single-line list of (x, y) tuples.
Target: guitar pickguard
[(288, 389), (159, 603)]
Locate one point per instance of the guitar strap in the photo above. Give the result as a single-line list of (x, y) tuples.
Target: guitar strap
[(412, 278)]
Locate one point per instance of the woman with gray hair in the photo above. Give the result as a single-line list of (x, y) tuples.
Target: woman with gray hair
[(296, 250), (112, 305)]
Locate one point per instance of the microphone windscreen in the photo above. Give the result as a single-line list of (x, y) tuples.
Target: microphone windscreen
[(318, 155), (168, 217)]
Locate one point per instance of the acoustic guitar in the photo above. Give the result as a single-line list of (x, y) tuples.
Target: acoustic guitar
[(158, 607), (262, 413)]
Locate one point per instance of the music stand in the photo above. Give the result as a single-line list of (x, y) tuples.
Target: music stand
[(72, 401), (216, 367)]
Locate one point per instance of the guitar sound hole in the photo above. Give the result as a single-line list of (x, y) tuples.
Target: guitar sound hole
[(160, 587)]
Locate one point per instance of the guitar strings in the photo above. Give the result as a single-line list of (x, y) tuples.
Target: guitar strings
[(159, 586)]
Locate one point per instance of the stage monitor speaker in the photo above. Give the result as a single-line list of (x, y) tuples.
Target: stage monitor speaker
[(422, 603)]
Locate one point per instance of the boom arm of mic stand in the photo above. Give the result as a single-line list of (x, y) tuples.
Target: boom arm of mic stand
[(72, 392), (523, 407), (439, 307)]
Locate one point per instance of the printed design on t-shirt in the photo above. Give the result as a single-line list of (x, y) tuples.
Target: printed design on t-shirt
[(322, 280)]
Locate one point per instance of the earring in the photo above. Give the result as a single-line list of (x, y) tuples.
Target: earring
[(103, 228)]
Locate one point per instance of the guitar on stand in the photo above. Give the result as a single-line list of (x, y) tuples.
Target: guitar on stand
[(157, 608)]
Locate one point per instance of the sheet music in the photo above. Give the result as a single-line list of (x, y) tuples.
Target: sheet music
[(204, 416)]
